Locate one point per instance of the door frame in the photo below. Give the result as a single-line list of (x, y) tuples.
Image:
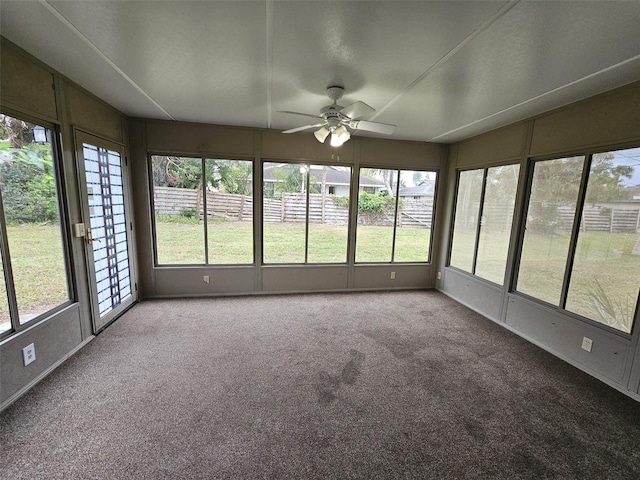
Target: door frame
[(81, 137)]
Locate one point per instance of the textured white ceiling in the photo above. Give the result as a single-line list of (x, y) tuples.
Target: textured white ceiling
[(441, 71)]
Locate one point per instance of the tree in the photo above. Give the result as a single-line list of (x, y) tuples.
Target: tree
[(176, 172), (230, 176), (556, 184), (290, 179), (605, 179), (27, 174)]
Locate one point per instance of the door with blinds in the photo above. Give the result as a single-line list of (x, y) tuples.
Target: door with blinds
[(108, 228)]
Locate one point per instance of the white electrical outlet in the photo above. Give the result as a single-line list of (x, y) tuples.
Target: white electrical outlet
[(587, 343), (206, 278), (29, 354), (393, 275), (439, 276)]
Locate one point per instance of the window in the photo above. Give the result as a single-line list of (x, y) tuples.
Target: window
[(605, 277), (392, 225), (33, 253), (465, 224), (302, 222), (581, 246), (229, 201), (482, 224), (549, 220), (203, 210), (498, 204)]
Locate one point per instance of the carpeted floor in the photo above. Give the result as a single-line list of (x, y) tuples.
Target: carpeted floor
[(336, 386)]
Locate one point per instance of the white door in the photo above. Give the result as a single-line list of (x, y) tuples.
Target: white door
[(108, 228)]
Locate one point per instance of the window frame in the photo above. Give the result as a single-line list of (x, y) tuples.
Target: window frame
[(588, 154), (64, 226), (531, 163), (454, 210), (474, 261), (398, 171), (307, 164), (202, 157)]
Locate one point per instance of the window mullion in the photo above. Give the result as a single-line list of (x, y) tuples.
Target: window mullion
[(575, 229), (522, 226), (483, 190), (8, 273), (307, 168), (395, 217), (203, 177)]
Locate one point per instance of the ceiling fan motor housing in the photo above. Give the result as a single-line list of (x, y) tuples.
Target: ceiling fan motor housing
[(332, 115), (335, 93)]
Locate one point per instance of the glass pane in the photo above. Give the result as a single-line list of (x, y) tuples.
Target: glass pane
[(606, 270), (328, 213), (465, 224), (103, 172), (30, 199), (284, 212), (495, 226), (177, 200), (5, 318), (415, 212), (550, 214), (229, 211), (376, 215)]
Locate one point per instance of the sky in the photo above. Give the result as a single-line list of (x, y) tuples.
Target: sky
[(630, 156)]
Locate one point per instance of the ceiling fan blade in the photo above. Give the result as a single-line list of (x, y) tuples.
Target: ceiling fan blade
[(357, 110), (299, 114), (376, 127), (306, 127)]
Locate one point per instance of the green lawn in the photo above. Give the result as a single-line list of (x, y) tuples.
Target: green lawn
[(604, 285), (231, 243), (605, 278), (38, 270)]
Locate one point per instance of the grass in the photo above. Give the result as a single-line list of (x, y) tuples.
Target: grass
[(38, 270), (605, 277), (604, 284), (232, 243)]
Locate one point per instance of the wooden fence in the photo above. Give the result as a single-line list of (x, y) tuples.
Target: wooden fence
[(594, 218), (601, 219), (187, 202), (291, 208)]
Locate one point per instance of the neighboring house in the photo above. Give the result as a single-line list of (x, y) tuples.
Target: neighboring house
[(424, 191), (337, 181), (635, 192)]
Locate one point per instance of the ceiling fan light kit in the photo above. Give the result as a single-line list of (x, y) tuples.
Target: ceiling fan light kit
[(339, 136), (337, 120), (322, 134)]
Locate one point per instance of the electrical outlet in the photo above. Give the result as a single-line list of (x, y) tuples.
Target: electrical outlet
[(587, 343), (393, 275), (206, 279), (439, 276), (29, 354)]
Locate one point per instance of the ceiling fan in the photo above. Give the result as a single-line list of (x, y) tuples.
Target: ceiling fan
[(337, 120)]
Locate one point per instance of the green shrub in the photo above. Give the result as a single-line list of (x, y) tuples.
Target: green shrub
[(373, 208), (188, 213)]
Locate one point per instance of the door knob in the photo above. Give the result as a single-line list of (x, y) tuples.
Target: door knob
[(90, 237)]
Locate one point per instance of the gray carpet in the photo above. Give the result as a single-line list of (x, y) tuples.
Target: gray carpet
[(359, 385)]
